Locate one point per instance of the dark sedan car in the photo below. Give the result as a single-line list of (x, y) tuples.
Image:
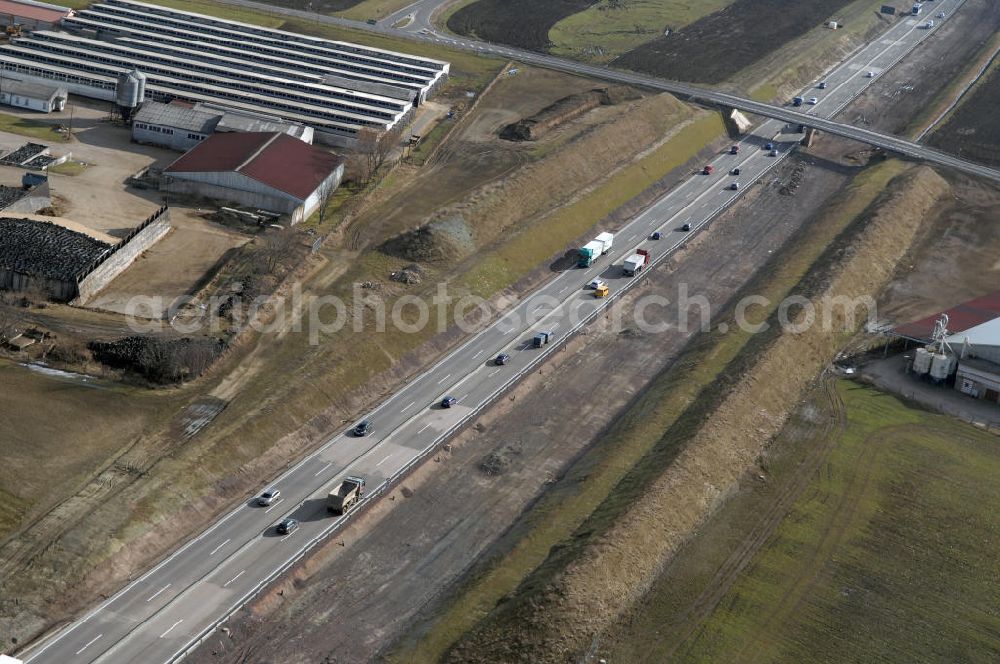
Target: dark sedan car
[(502, 359), (363, 429), (287, 526), (448, 401)]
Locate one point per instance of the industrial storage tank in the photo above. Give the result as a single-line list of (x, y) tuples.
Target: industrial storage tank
[(922, 361), (942, 365), (131, 89)]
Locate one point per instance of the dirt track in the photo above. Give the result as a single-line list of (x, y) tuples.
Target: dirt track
[(400, 566)]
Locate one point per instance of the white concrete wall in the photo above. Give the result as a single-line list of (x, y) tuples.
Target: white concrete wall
[(123, 256)]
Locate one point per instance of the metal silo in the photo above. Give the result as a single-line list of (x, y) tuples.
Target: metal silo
[(129, 92)]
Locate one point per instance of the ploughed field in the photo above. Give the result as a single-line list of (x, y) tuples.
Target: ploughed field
[(973, 131), (708, 50), (521, 23), (715, 47)]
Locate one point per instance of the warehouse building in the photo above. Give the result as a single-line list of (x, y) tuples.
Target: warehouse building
[(33, 96), (32, 15), (180, 126), (338, 89), (971, 342), (978, 349), (266, 170)]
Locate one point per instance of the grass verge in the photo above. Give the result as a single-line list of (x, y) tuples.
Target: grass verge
[(885, 555), (28, 127), (68, 168), (505, 265), (561, 511)]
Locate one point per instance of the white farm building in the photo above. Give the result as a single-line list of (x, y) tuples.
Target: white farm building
[(266, 170)]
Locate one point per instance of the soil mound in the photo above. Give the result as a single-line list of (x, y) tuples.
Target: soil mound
[(563, 110), (441, 240)]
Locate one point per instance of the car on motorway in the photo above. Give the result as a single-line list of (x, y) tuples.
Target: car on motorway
[(735, 171), (268, 497), (734, 149), (734, 186), (769, 146), (822, 85), (287, 526), (870, 74), (448, 401), (708, 170), (686, 227), (501, 359), (655, 235), (595, 284), (363, 428), (813, 101), (773, 152), (940, 15)]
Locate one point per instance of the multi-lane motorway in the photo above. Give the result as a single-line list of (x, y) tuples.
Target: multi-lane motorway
[(163, 614)]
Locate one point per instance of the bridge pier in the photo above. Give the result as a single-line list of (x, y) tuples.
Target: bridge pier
[(810, 136)]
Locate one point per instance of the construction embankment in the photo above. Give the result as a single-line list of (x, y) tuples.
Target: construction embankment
[(560, 611)]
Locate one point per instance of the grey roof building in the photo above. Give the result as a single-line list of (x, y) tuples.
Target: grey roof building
[(34, 96), (181, 127)]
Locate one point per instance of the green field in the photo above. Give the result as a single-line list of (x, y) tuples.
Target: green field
[(615, 30), (887, 555)]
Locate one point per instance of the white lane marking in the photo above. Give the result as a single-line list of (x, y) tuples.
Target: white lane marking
[(234, 578), (323, 469), (494, 373), (408, 406), (478, 354), (422, 429), (388, 456), (153, 596), (283, 539), (553, 328), (444, 379), (171, 627), (218, 547), (278, 502), (88, 644)]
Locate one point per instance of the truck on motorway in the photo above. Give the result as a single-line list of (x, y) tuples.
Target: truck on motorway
[(636, 262), (344, 495), (917, 8), (541, 339), (594, 249)]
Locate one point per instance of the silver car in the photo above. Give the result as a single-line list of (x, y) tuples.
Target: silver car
[(268, 497)]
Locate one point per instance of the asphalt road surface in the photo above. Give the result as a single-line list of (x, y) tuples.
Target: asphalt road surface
[(166, 612)]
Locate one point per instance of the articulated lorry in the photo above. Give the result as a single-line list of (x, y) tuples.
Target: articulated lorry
[(343, 496), (594, 249), (636, 262)]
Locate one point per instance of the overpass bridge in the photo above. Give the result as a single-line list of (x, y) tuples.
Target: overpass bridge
[(422, 30)]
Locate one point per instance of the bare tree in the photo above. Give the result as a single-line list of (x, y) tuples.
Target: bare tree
[(326, 192), (278, 247), (374, 148)]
